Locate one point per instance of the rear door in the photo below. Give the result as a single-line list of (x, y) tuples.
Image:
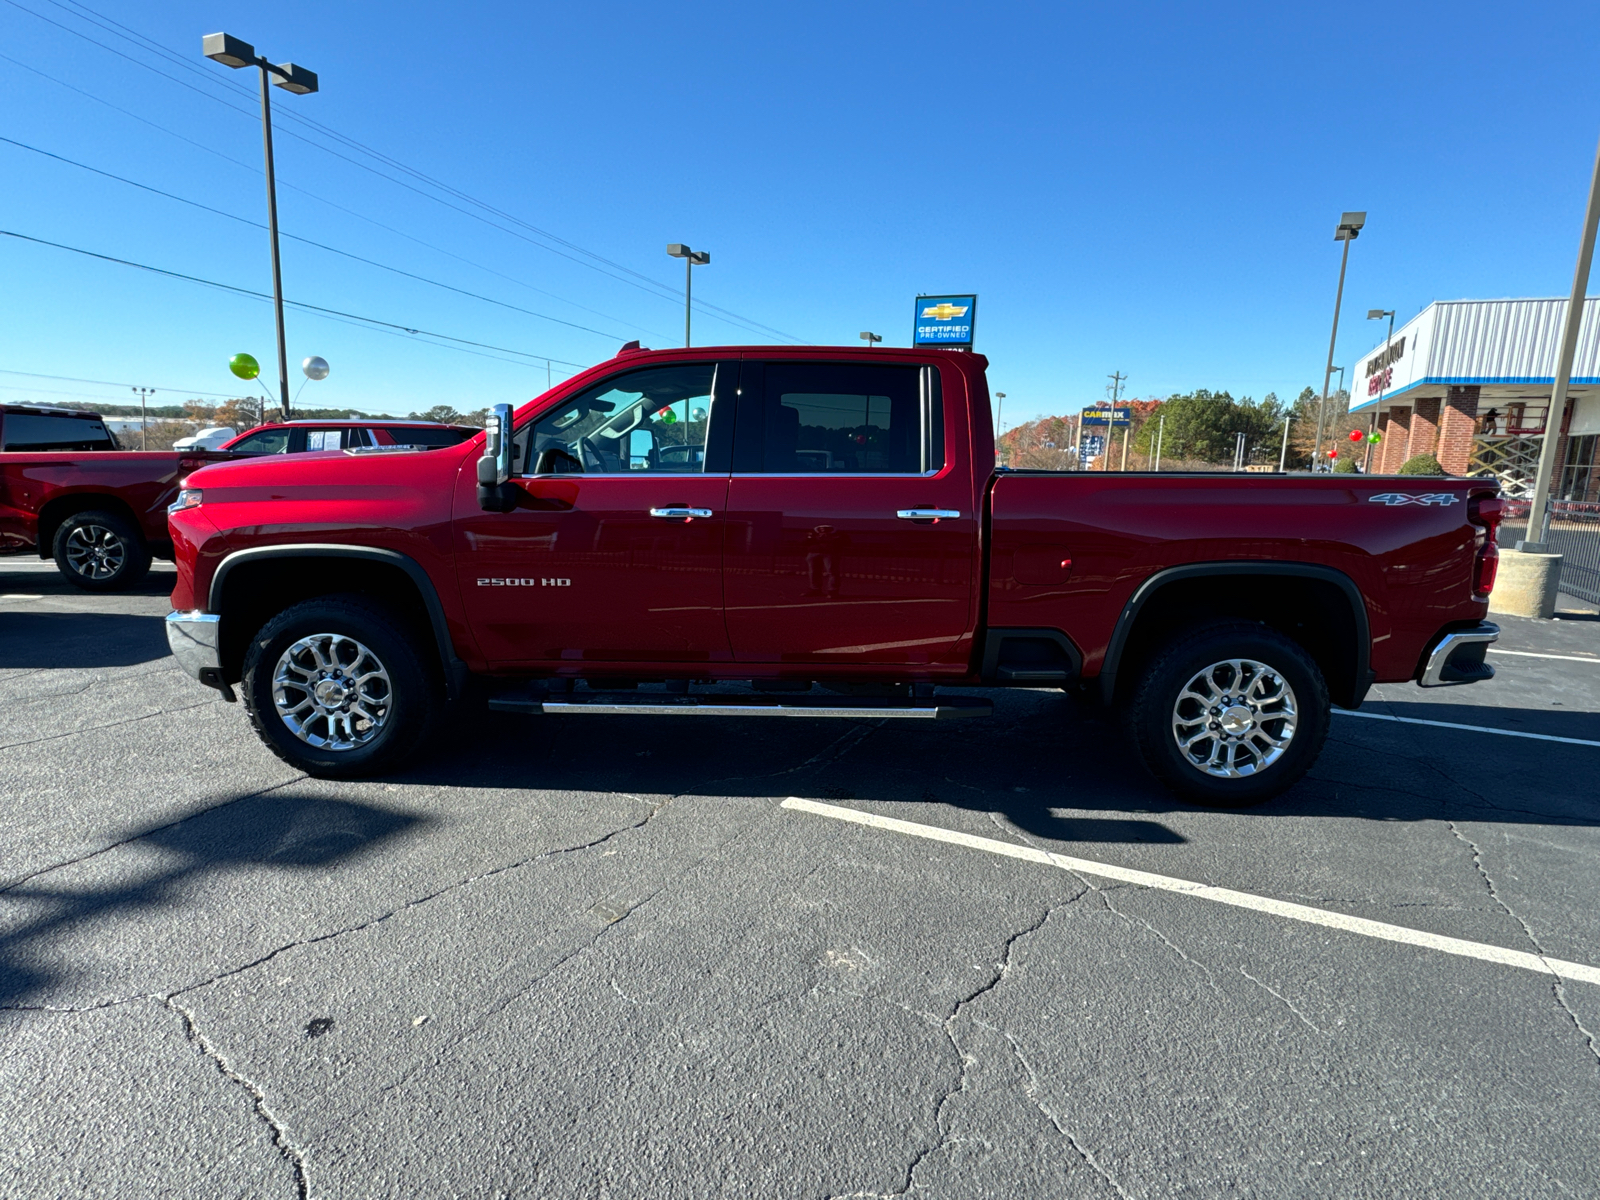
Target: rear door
[(614, 551), (851, 536)]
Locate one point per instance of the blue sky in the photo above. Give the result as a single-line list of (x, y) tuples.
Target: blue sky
[(1144, 188)]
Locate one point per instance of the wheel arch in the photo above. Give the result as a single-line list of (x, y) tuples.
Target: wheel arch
[(1320, 607), (56, 510), (250, 586)]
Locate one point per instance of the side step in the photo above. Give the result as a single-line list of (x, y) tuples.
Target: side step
[(612, 704)]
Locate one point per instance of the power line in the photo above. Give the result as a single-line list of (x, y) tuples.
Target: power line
[(301, 304), (320, 199), (638, 278), (309, 242)]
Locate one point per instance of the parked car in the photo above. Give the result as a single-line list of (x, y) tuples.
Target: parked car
[(790, 518), (303, 436), (68, 493), (206, 439)]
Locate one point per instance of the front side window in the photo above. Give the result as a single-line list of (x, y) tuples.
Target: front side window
[(31, 431), (268, 441), (653, 420), (849, 418)]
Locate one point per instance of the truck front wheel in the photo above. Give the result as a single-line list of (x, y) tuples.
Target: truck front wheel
[(100, 552), (1230, 713), (334, 688)]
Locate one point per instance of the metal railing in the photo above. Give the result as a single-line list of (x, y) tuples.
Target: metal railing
[(1574, 533)]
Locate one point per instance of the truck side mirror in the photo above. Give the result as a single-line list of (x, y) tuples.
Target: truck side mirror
[(495, 493)]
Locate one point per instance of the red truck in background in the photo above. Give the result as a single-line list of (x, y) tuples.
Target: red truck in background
[(814, 532), (67, 492)]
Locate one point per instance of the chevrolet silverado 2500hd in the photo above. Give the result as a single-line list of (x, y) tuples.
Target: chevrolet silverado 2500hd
[(814, 532)]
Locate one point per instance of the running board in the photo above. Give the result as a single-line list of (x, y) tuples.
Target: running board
[(949, 708)]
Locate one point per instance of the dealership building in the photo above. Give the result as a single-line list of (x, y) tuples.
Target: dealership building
[(1469, 381)]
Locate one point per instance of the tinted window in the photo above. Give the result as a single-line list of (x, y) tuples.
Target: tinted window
[(823, 418), (32, 431), (655, 419), (404, 436), (268, 441)]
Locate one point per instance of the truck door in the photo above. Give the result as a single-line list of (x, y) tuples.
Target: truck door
[(851, 537), (614, 551)]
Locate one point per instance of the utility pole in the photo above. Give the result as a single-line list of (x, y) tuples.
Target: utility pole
[(1161, 430), (1571, 323), (999, 425), (1283, 455), (1350, 225), (144, 420), (1115, 390)]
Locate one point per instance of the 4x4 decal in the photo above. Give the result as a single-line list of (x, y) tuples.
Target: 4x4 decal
[(1423, 498)]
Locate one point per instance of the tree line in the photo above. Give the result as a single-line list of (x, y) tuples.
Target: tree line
[(1198, 430)]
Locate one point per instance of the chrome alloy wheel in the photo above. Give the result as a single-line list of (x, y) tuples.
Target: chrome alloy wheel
[(95, 552), (332, 692), (1235, 718)]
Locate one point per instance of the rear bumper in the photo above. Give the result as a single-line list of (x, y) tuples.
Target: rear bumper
[(193, 638), (1457, 657)]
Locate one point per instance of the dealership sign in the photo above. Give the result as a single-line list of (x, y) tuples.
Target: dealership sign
[(1106, 416), (1380, 367), (944, 321)]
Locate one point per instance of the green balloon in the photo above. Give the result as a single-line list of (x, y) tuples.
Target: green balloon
[(244, 366), (1374, 438)]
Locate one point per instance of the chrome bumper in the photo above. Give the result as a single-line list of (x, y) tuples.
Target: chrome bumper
[(193, 637), (1458, 657)]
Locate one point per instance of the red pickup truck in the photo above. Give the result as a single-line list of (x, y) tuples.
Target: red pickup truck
[(814, 532), (67, 492)]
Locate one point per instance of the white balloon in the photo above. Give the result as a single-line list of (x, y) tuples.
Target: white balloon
[(315, 367)]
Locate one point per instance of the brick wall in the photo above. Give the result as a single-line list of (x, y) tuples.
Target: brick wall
[(1424, 427), (1396, 433), (1457, 427)]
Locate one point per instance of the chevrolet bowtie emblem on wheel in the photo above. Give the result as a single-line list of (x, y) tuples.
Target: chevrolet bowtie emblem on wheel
[(1425, 498), (944, 310)]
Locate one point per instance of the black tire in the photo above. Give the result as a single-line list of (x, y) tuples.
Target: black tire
[(100, 552), (386, 719), (1250, 765)]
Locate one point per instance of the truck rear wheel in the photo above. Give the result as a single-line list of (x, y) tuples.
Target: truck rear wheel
[(334, 688), (100, 552), (1230, 713)]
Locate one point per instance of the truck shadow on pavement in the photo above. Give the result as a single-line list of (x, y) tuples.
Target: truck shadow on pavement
[(1040, 763), (60, 640), (45, 913)]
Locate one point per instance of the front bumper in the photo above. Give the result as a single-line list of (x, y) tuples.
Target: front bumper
[(1457, 657), (193, 637)]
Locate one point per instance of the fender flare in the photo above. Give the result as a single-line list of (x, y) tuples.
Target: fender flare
[(455, 671), (1152, 585)]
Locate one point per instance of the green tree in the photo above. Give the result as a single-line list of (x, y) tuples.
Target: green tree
[(1202, 425)]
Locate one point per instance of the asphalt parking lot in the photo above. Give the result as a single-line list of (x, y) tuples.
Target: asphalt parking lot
[(586, 956)]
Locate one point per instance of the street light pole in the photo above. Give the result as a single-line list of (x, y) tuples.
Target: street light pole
[(1571, 323), (1348, 230), (231, 52), (999, 424), (691, 260), (871, 339), (1161, 432)]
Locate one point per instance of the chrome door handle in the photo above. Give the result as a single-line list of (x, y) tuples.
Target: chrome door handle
[(927, 514), (679, 514)]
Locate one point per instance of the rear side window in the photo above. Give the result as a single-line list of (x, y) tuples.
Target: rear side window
[(35, 431), (404, 436), (847, 418), (268, 441)]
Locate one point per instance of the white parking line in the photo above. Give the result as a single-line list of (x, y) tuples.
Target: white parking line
[(1538, 737), (1577, 972), (1533, 654)]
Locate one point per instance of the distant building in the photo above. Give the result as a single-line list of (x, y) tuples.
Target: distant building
[(1470, 380)]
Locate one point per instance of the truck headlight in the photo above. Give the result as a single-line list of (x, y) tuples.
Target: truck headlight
[(187, 498)]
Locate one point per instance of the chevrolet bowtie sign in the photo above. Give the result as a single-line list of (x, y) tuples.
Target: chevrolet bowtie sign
[(944, 321)]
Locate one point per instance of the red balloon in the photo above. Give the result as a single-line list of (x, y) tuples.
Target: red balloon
[(1356, 435)]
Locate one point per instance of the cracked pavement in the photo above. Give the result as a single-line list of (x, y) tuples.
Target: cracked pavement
[(591, 957)]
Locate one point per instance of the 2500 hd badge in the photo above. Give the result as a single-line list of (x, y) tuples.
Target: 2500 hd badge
[(524, 583)]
